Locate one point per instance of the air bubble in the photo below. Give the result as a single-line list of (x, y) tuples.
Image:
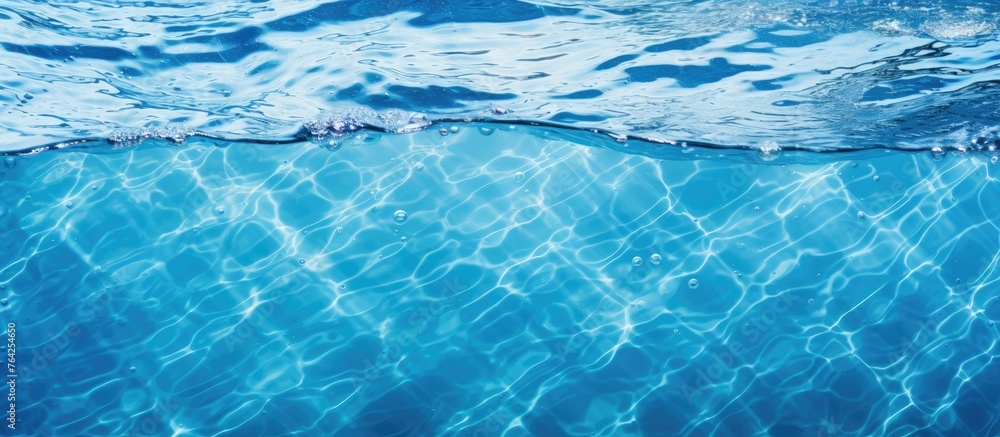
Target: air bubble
[(812, 301), (854, 165), (486, 130), (9, 162), (419, 166), (937, 153), (655, 259), (220, 210), (756, 208), (990, 324), (637, 261), (132, 369), (876, 178), (443, 132), (69, 204), (861, 214), (454, 129), (340, 230), (677, 331), (519, 176), (302, 260), (693, 283), (343, 286), (403, 239), (768, 151), (399, 216), (3, 302)]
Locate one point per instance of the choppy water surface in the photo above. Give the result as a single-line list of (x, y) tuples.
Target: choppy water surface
[(501, 218)]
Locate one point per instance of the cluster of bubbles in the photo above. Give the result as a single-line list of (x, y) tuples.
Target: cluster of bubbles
[(174, 133), (335, 124)]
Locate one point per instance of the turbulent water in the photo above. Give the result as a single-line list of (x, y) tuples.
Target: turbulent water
[(507, 218)]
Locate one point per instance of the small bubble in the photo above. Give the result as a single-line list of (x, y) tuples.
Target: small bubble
[(756, 208), (861, 214), (340, 230), (419, 166), (132, 369), (655, 259), (519, 176), (637, 261), (399, 216), (677, 331), (9, 162), (3, 302), (403, 239), (220, 210), (990, 324), (693, 283), (354, 239), (937, 153), (69, 204), (526, 191), (876, 178), (854, 165), (343, 286), (443, 132), (454, 129), (302, 260), (812, 301), (994, 159), (93, 187), (486, 130)]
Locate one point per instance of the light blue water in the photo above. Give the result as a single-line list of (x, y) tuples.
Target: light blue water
[(501, 218)]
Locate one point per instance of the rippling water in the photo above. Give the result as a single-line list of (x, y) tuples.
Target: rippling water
[(502, 218)]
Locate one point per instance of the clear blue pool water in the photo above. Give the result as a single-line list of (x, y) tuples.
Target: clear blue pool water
[(509, 218)]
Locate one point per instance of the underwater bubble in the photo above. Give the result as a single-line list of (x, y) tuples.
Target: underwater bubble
[(937, 153), (343, 286), (876, 178), (443, 132), (454, 129), (399, 216), (812, 301), (693, 283), (519, 175), (132, 369), (756, 208), (499, 110), (486, 130), (403, 239), (220, 210), (677, 331), (990, 324), (637, 261), (3, 302), (854, 165), (861, 214), (340, 230), (302, 260), (768, 151), (655, 259), (994, 159), (9, 162), (69, 204), (526, 191), (419, 166)]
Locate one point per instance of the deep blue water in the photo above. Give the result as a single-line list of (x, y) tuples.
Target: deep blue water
[(508, 218)]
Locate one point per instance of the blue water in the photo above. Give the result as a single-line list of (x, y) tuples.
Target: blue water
[(510, 218)]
